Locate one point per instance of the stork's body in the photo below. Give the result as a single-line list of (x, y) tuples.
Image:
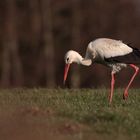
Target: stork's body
[(112, 53)]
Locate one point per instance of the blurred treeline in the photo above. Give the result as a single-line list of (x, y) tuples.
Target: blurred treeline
[(36, 34)]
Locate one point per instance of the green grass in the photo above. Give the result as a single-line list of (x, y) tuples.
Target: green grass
[(74, 113)]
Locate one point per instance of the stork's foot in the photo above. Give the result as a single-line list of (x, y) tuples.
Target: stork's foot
[(125, 95), (110, 99)]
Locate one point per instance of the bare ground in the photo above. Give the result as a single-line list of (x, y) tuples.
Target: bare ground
[(35, 124)]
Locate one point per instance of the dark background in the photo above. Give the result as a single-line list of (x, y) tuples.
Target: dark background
[(36, 34)]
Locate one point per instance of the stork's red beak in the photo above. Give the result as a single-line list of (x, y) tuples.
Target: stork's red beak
[(66, 72)]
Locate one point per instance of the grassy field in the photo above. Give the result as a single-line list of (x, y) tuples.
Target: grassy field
[(66, 114)]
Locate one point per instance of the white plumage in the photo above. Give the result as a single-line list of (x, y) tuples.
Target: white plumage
[(109, 52), (107, 48)]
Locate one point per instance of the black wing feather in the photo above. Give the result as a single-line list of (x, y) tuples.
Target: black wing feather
[(131, 58)]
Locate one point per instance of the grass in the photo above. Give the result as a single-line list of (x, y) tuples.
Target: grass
[(69, 114)]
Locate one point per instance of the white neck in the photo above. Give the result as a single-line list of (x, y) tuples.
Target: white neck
[(80, 60), (86, 62)]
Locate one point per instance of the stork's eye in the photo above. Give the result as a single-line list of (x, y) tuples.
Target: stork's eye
[(67, 59)]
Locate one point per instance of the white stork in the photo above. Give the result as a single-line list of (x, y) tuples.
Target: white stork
[(112, 53)]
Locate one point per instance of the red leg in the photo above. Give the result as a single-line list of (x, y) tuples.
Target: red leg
[(112, 87), (125, 95)]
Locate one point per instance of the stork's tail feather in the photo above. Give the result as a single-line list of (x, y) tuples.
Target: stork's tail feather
[(136, 52), (131, 58)]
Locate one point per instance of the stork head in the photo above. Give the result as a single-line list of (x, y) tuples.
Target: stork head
[(74, 57), (70, 57)]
